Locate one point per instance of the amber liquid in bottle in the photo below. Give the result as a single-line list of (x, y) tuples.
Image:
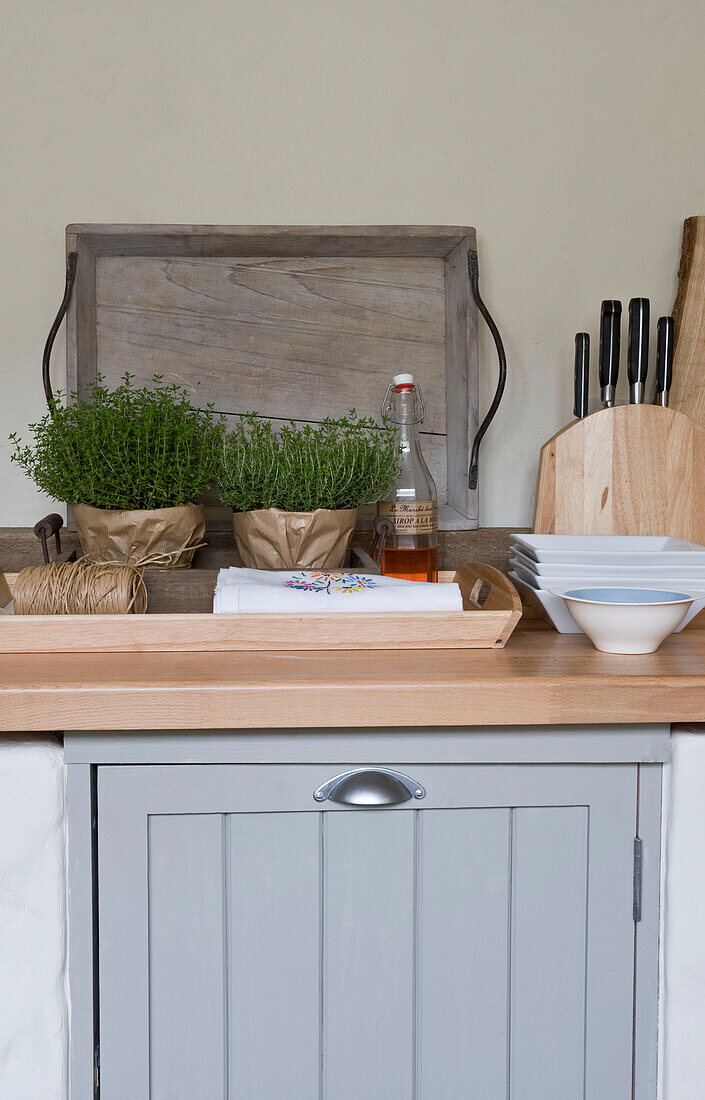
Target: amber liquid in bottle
[(411, 551), (418, 563)]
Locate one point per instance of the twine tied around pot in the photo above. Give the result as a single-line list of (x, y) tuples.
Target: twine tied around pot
[(163, 537), (80, 588)]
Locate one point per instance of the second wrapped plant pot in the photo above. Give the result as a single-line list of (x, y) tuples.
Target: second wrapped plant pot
[(295, 493), (269, 538)]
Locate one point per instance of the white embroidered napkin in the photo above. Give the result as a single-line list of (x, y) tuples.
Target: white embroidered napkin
[(258, 591)]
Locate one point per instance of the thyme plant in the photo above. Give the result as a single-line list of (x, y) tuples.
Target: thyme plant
[(123, 448), (338, 464)]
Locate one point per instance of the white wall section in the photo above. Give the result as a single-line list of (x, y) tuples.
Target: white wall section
[(33, 1012), (569, 134)]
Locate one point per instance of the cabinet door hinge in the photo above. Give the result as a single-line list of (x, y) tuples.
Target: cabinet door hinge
[(636, 887)]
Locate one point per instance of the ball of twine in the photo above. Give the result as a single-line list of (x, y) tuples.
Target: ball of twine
[(80, 588)]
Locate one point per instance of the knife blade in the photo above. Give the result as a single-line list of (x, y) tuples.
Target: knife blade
[(582, 374), (638, 350), (610, 332), (664, 359)]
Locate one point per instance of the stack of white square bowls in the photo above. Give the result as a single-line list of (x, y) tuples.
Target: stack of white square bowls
[(544, 565)]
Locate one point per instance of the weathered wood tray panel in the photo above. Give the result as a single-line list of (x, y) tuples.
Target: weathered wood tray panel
[(295, 323)]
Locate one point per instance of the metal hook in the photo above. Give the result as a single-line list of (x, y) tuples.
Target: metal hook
[(48, 526)]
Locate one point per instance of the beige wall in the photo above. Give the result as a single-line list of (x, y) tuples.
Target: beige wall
[(570, 134)]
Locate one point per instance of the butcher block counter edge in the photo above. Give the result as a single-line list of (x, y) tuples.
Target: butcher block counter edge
[(540, 678)]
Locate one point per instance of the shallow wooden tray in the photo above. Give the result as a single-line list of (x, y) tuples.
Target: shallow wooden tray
[(481, 625)]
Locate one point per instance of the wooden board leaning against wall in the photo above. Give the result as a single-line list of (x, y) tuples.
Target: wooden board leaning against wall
[(688, 386)]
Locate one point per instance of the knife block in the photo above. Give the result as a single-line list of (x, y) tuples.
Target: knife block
[(628, 470)]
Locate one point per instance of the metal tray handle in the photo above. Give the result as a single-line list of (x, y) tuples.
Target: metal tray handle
[(369, 787)]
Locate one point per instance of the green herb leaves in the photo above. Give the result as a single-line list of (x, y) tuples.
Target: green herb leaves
[(125, 448), (338, 464), (150, 448)]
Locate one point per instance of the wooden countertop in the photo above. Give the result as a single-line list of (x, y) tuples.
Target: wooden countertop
[(540, 678)]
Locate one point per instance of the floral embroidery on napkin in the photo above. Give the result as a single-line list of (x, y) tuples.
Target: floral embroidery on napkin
[(339, 583)]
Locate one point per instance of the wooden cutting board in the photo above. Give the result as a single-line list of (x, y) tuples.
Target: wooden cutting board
[(688, 386), (629, 470)]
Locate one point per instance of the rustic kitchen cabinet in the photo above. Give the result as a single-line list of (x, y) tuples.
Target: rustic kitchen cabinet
[(233, 936)]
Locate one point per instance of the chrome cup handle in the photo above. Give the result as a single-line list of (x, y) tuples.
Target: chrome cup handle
[(369, 787)]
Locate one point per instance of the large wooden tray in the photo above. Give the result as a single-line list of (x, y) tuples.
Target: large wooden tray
[(492, 609), (293, 322)]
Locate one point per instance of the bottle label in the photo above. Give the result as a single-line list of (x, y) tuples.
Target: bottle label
[(412, 517)]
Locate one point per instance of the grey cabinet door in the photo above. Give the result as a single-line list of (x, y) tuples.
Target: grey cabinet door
[(255, 945)]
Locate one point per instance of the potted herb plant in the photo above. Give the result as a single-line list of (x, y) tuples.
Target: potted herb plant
[(133, 462), (295, 493)]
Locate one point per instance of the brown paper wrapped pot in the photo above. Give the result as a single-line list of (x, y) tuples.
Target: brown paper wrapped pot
[(165, 537), (271, 539)]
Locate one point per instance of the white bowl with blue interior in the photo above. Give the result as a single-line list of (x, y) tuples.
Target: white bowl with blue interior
[(627, 619)]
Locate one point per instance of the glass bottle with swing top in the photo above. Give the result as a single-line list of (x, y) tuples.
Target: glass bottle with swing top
[(411, 550)]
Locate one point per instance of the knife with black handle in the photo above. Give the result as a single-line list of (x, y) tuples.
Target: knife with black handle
[(664, 359), (582, 374), (638, 350), (610, 330)]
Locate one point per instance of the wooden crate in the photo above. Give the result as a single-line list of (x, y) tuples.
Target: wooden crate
[(478, 626), (293, 322)]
